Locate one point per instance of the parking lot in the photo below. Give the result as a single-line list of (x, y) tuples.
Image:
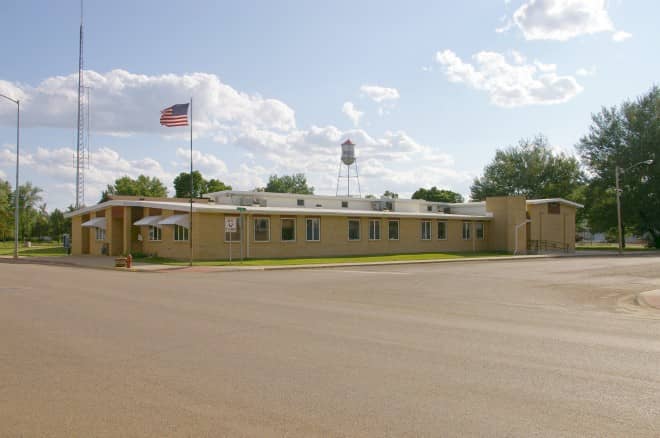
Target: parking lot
[(551, 347)]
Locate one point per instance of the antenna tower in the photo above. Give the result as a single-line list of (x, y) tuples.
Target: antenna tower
[(81, 156)]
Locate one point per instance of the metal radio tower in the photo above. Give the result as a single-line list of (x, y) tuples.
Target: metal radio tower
[(81, 156)]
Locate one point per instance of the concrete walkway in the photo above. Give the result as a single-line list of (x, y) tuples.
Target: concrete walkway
[(105, 262)]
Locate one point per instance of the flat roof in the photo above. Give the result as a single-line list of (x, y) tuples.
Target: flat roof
[(292, 211)]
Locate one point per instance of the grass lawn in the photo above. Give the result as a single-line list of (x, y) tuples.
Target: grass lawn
[(630, 247), (324, 260), (38, 249)]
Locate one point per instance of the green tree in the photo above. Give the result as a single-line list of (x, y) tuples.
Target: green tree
[(200, 185), (530, 169), (437, 195), (182, 185), (29, 198), (141, 186), (6, 211), (57, 224), (622, 137), (40, 224), (296, 183), (390, 195), (215, 185)]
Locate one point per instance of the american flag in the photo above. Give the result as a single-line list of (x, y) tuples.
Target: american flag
[(176, 115)]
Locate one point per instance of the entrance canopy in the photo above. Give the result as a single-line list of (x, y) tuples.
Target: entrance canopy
[(177, 219), (97, 222), (149, 221)]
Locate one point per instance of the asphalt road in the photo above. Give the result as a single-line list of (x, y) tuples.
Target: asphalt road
[(553, 347)]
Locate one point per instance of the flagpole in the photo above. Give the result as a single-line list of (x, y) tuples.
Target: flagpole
[(190, 237)]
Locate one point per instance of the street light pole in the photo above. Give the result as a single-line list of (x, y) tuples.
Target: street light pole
[(18, 141), (619, 171), (618, 209)]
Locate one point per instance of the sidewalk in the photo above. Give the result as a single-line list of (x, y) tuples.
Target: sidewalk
[(105, 262)]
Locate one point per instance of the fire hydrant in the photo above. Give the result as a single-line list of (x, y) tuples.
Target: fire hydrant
[(129, 261)]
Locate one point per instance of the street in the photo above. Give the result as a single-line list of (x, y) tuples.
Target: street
[(547, 347)]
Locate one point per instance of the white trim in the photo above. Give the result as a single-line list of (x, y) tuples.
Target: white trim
[(179, 207), (187, 233), (559, 200), (312, 219), (380, 227), (421, 229)]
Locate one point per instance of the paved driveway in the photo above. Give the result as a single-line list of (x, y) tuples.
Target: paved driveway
[(553, 347)]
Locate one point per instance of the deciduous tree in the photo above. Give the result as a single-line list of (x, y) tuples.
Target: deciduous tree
[(437, 195), (622, 137), (530, 169), (296, 183)]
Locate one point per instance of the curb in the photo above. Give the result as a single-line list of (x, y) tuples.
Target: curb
[(220, 269)]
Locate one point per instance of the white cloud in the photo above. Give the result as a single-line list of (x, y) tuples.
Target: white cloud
[(562, 20), (208, 164), (3, 175), (262, 132), (586, 71), (380, 94), (105, 166), (620, 36), (125, 103), (510, 84), (352, 113)]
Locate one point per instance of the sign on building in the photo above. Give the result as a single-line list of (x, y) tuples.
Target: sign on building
[(231, 224)]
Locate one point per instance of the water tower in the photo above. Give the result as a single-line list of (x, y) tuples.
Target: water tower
[(347, 162)]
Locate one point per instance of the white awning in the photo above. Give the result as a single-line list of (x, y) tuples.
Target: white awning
[(97, 222), (148, 221), (177, 219)]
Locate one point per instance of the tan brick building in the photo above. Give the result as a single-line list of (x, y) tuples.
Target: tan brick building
[(275, 225)]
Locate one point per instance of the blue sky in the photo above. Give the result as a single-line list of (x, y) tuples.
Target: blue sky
[(428, 90)]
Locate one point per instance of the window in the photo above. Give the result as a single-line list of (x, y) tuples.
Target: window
[(374, 229), (100, 234), (429, 208), (180, 232), (466, 231), (354, 229), (288, 229), (261, 229), (479, 230), (313, 225), (554, 208), (442, 230), (344, 204), (300, 202), (155, 233), (393, 229), (426, 230), (236, 235)]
